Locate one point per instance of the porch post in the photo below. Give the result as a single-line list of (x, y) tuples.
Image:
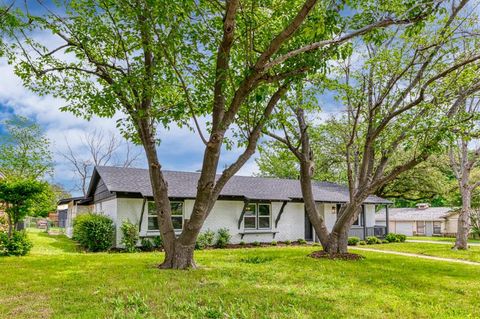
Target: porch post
[(364, 222), (386, 219)]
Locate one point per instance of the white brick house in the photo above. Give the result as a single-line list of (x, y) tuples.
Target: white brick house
[(252, 208)]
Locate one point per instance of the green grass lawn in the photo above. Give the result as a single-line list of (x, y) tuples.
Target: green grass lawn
[(448, 239), (55, 281), (473, 254)]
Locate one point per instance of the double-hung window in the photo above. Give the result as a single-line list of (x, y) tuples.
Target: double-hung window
[(177, 216), (437, 228), (257, 216)]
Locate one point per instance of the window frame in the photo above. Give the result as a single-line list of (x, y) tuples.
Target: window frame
[(439, 227), (257, 216), (424, 226), (173, 216)]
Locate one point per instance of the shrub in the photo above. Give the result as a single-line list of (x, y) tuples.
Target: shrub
[(288, 242), (401, 238), (17, 245), (129, 236), (362, 242), (256, 243), (158, 242), (391, 238), (94, 232), (273, 243), (316, 244), (302, 241), (384, 241), (3, 243), (147, 244), (242, 243), (205, 239), (223, 238), (3, 223), (371, 240), (353, 241)]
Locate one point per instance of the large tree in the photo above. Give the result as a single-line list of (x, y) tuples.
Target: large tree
[(24, 150), (166, 61), (465, 158), (97, 148), (399, 96), (276, 160)]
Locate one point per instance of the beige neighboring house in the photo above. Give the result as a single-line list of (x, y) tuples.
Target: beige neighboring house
[(421, 220)]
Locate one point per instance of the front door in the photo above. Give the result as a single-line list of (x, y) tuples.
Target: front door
[(308, 229)]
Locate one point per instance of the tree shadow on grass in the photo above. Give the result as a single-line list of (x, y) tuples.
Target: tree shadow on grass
[(61, 243)]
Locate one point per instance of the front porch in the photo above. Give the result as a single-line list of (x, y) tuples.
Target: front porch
[(364, 232)]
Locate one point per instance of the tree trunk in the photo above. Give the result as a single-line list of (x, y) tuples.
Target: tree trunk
[(463, 226), (160, 193), (338, 239), (338, 242), (10, 224)]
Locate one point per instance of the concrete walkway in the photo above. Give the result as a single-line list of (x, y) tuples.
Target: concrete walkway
[(459, 261), (437, 242)]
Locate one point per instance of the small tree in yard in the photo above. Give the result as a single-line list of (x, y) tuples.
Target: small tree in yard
[(165, 62), (400, 97), (17, 196)]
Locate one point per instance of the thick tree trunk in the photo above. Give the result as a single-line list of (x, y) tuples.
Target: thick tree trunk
[(463, 226), (160, 193), (338, 242), (306, 170), (338, 239)]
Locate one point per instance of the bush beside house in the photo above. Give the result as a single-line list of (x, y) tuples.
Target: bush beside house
[(94, 232), (130, 236)]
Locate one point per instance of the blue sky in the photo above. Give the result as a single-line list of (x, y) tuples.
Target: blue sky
[(180, 148)]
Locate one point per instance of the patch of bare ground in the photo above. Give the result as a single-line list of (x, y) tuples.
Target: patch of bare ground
[(346, 256)]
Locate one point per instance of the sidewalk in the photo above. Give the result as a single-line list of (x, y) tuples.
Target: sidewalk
[(437, 242), (460, 261)]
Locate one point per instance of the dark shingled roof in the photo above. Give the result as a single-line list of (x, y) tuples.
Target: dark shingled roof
[(184, 185)]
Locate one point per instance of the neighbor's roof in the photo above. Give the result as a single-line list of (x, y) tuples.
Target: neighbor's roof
[(184, 185), (413, 214), (68, 200)]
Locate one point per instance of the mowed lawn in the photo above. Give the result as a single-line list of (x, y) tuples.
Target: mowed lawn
[(55, 281), (429, 249)]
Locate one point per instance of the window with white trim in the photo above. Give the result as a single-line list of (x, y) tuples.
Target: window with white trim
[(257, 216), (177, 216)]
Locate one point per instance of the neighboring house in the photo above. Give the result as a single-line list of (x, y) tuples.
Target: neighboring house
[(421, 220), (252, 208), (68, 209)]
